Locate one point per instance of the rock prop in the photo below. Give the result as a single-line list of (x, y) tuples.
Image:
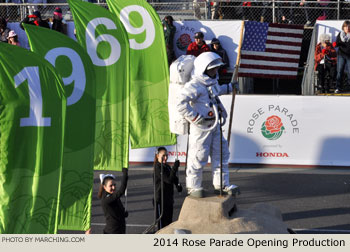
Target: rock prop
[(219, 215)]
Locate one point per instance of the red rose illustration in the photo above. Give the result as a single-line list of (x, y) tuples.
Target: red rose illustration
[(273, 124), (183, 41)]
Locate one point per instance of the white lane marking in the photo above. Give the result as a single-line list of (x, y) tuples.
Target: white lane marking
[(294, 229), (128, 225), (322, 230), (300, 170)]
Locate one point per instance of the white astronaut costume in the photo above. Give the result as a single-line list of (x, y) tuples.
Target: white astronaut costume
[(196, 105)]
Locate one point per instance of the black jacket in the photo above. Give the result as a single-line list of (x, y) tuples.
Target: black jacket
[(58, 25), (169, 180), (343, 47), (223, 54), (114, 210), (169, 33), (42, 23), (4, 34)]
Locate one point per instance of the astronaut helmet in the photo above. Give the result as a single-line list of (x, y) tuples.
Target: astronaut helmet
[(206, 61)]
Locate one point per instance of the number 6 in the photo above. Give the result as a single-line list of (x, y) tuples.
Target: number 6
[(92, 42)]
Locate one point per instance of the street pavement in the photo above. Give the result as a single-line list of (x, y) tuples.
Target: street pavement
[(312, 200)]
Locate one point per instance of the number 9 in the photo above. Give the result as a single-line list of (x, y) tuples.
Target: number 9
[(147, 25), (78, 72)]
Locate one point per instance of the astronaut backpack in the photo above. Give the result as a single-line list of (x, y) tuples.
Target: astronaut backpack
[(180, 73)]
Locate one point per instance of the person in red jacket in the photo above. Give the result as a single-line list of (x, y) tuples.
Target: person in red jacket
[(325, 62), (198, 46)]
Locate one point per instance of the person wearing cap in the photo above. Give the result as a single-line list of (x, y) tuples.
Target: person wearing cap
[(112, 206), (35, 19), (217, 48), (58, 23), (198, 46), (325, 63), (197, 101), (4, 31), (13, 38), (169, 32)]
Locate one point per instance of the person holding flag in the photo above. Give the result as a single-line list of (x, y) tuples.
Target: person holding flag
[(112, 206), (164, 180)]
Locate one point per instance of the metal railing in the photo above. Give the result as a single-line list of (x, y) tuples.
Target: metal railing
[(259, 10)]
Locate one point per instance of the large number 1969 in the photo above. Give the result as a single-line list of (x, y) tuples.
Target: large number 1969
[(31, 74)]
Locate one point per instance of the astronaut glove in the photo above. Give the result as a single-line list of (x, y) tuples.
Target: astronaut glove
[(199, 119), (235, 85)]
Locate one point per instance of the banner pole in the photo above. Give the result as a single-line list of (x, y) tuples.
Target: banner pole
[(234, 79)]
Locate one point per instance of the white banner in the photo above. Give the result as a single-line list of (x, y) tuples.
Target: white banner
[(228, 32), (330, 27), (293, 130), (289, 130)]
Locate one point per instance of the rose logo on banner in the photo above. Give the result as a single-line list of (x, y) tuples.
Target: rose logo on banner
[(183, 41), (272, 128)]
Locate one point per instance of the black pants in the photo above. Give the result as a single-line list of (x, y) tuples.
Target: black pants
[(326, 75), (119, 228), (170, 54), (167, 217)]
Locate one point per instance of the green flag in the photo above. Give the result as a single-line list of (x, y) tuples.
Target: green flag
[(74, 65), (32, 119), (104, 38), (149, 74)]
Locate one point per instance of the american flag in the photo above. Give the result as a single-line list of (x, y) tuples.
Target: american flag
[(270, 50)]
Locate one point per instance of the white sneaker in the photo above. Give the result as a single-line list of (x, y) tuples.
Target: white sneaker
[(196, 192), (230, 189)]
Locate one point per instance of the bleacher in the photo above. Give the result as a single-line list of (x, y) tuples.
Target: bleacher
[(272, 11), (260, 10)]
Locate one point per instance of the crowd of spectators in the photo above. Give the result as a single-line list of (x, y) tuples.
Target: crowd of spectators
[(286, 11), (57, 23)]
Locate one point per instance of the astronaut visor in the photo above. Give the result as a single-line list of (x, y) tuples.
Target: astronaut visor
[(215, 63)]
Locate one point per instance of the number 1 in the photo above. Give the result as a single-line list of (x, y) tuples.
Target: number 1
[(31, 74)]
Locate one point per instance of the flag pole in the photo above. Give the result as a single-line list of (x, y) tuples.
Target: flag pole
[(234, 79)]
